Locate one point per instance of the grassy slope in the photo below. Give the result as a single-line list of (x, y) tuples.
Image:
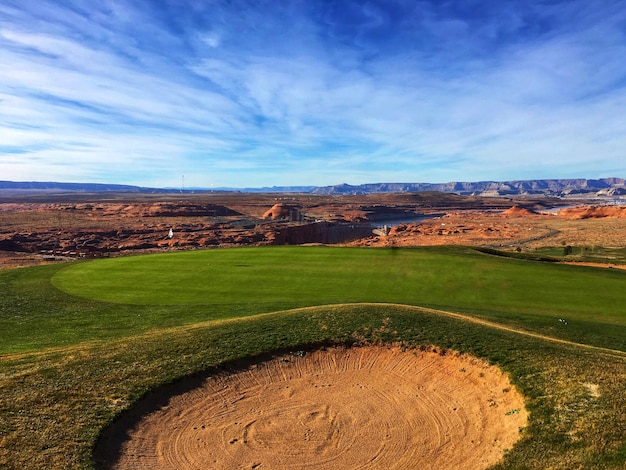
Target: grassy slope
[(53, 404), (599, 254), (200, 286)]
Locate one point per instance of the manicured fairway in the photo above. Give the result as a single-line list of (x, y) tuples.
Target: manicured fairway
[(532, 294), (322, 275)]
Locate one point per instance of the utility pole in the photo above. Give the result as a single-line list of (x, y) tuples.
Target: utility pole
[(183, 190)]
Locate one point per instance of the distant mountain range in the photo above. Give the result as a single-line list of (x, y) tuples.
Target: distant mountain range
[(82, 187), (547, 187)]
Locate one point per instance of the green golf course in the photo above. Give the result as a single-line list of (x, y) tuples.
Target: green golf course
[(82, 342), (242, 281)]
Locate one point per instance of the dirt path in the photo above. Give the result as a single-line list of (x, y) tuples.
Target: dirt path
[(596, 265), (370, 407), (498, 326)]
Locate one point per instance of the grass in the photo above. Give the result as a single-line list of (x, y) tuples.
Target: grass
[(107, 353), (597, 254), (133, 294)]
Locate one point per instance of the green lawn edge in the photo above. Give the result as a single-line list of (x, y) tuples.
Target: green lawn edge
[(34, 314)]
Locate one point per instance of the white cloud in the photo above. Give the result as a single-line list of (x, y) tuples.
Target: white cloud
[(122, 92), (213, 39)]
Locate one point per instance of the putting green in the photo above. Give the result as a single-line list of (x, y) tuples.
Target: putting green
[(455, 278)]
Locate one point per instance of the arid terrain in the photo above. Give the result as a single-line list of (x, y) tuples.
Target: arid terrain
[(514, 228), (40, 227)]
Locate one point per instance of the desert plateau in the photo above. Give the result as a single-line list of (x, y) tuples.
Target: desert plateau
[(38, 228)]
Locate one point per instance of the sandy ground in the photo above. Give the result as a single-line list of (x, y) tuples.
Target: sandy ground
[(370, 407), (506, 231), (50, 230)]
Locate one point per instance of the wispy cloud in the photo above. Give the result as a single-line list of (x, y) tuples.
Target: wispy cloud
[(240, 94)]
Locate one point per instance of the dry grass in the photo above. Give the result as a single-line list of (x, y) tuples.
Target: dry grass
[(53, 405)]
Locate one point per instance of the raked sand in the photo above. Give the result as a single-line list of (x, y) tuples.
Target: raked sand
[(348, 408)]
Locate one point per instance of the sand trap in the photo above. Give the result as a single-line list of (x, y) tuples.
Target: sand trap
[(370, 407)]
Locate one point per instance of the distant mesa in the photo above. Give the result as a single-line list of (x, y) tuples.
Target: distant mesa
[(53, 186), (602, 187), (282, 211), (519, 211), (547, 187)]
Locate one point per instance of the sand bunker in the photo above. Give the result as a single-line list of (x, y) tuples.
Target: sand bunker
[(370, 407)]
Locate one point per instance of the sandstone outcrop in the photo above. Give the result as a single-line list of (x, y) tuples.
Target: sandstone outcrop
[(282, 211), (594, 212), (60, 227), (517, 211)]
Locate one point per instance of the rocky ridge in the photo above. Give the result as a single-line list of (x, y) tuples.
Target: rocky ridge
[(601, 187), (547, 187)]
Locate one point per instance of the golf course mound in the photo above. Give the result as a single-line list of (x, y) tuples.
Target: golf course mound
[(361, 407)]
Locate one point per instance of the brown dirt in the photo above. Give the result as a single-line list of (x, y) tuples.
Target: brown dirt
[(519, 211), (58, 228), (594, 212), (506, 230), (370, 407)]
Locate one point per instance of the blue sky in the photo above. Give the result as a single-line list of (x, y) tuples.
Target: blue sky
[(303, 92)]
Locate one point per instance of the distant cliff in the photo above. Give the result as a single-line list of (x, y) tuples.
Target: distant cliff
[(549, 187), (84, 187)]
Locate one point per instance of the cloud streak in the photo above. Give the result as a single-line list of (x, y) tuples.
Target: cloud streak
[(249, 94)]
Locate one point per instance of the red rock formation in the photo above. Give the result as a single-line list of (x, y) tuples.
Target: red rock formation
[(282, 211), (517, 211), (593, 212)]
